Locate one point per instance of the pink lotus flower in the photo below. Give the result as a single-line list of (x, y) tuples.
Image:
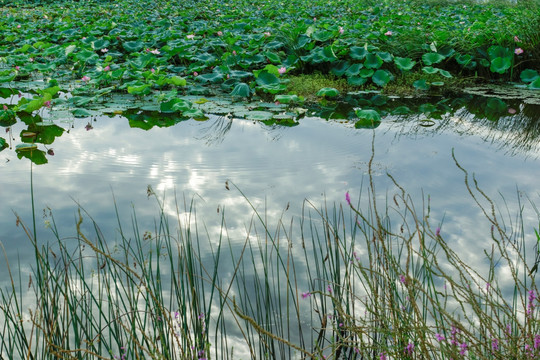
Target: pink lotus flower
[(516, 39), (512, 111), (195, 73), (155, 52), (282, 70), (47, 103), (17, 67), (518, 51), (104, 50), (234, 52), (341, 31), (267, 33), (153, 70), (31, 59), (388, 33), (85, 78), (5, 107), (107, 68), (219, 33), (18, 26), (191, 36)]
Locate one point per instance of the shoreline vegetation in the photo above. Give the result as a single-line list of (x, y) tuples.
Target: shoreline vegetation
[(367, 279)]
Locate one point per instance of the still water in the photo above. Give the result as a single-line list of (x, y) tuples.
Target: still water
[(102, 160)]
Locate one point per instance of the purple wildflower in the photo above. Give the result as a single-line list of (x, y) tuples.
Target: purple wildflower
[(495, 344), (409, 348), (306, 295), (463, 348), (439, 337), (348, 198)]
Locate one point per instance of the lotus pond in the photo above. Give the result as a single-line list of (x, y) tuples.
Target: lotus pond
[(108, 106)]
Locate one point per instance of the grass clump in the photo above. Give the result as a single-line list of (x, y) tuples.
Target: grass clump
[(307, 85), (367, 280)]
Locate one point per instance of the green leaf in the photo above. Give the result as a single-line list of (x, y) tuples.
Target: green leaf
[(432, 58), (497, 51), (358, 53), (500, 65), (241, 89), (421, 85), (401, 110), (80, 113), (139, 90), (196, 114), (175, 105), (373, 61), (328, 92), (357, 80), (430, 70), (177, 81), (354, 69), (437, 83), (529, 75), (445, 73), (269, 83), (31, 152), (386, 56), (288, 99), (535, 85), (3, 144), (367, 73), (367, 119), (322, 36), (404, 64), (340, 68), (381, 77), (133, 46)]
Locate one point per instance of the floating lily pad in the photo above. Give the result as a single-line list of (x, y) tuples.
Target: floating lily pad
[(432, 58)]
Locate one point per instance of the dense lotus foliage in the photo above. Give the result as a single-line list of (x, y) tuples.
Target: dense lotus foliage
[(79, 59)]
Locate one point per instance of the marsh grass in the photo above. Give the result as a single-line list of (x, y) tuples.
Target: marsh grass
[(368, 279)]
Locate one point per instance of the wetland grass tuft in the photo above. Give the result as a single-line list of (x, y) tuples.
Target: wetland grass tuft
[(367, 279)]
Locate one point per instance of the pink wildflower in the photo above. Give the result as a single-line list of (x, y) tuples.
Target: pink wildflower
[(47, 103), (388, 33), (107, 68), (518, 51), (85, 78), (104, 50), (234, 52), (306, 295), (439, 337), (155, 52), (409, 348), (348, 198), (219, 33), (195, 73), (341, 30), (516, 39), (512, 111), (282, 70)]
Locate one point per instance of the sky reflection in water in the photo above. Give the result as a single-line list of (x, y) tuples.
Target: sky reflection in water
[(274, 166)]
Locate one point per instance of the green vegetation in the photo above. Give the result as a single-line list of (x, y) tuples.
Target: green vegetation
[(371, 280)]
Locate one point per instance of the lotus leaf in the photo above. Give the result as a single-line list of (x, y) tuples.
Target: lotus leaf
[(367, 119), (529, 75), (421, 85), (373, 61), (404, 64), (241, 89), (500, 65), (358, 53), (328, 92), (381, 77), (432, 58)]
